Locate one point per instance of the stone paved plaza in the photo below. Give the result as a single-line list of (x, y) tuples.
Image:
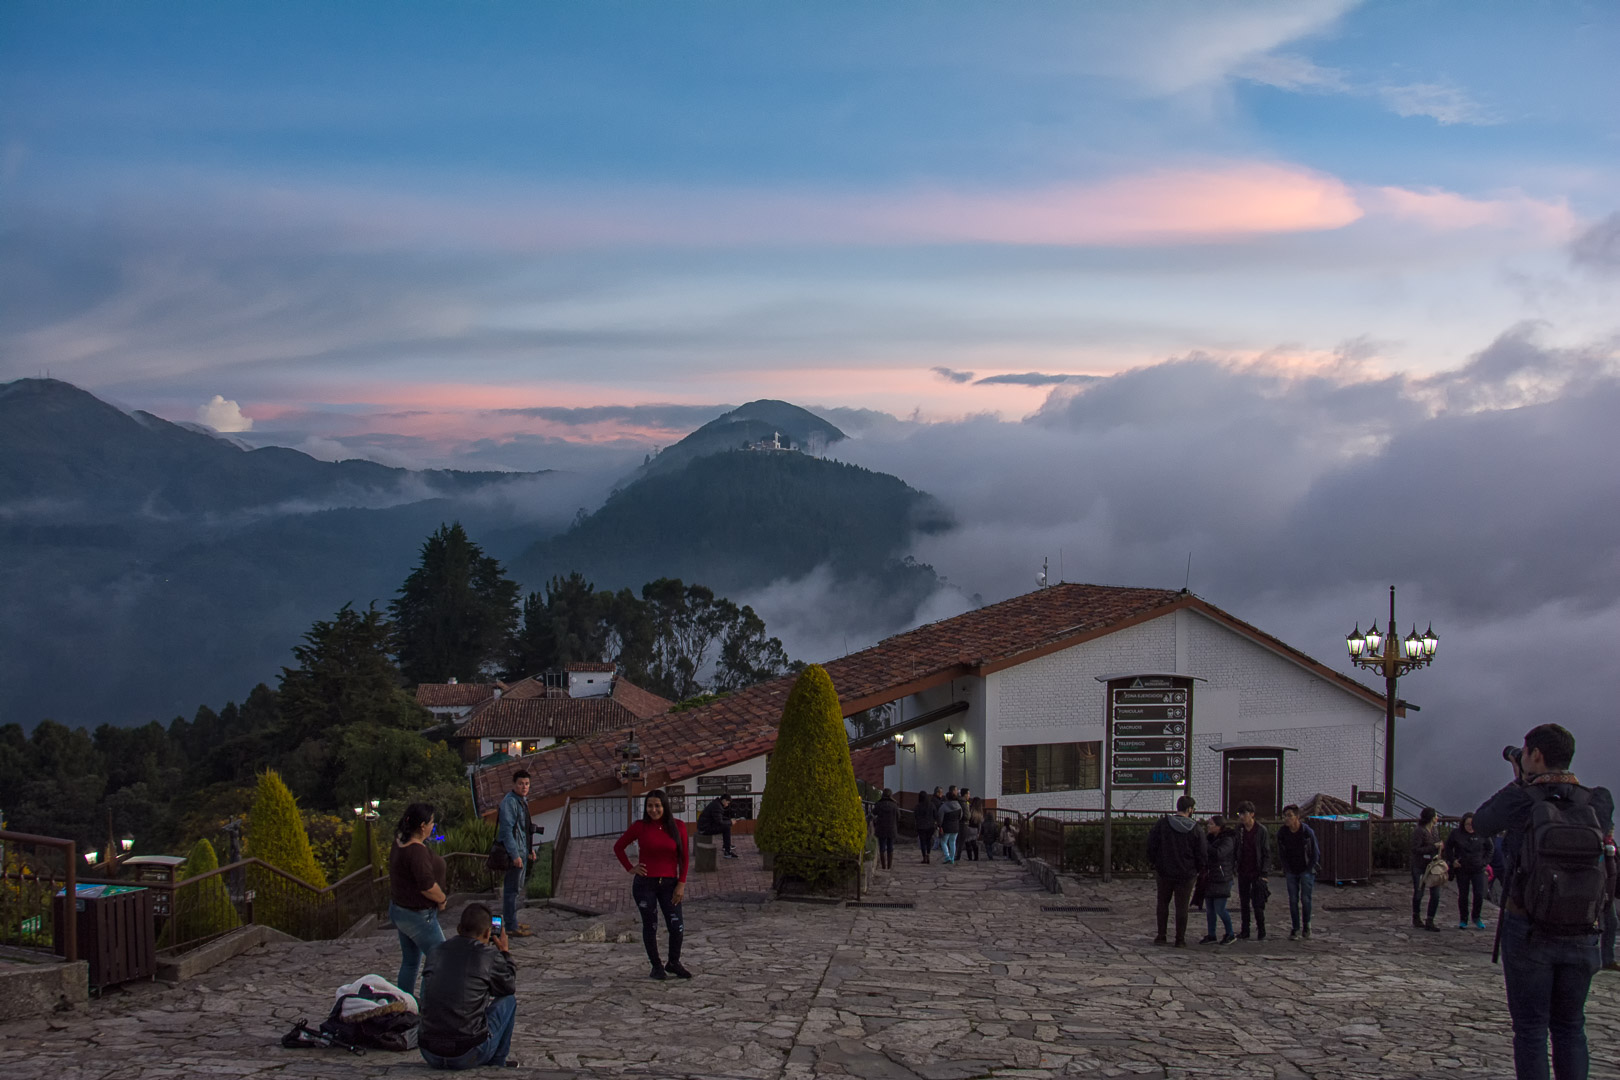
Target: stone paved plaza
[(593, 878), (979, 979)]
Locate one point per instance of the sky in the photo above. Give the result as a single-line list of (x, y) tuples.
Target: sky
[(1320, 293)]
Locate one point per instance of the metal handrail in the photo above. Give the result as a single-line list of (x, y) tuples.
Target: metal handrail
[(559, 846), (70, 926)]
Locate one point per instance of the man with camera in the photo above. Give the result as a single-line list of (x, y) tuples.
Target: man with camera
[(514, 831), (1548, 932), (468, 1001)]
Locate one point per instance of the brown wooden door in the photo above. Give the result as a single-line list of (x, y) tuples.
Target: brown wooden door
[(1257, 778)]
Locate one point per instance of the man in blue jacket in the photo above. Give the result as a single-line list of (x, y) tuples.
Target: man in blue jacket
[(512, 830)]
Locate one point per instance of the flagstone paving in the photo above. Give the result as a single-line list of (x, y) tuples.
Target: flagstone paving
[(593, 877), (977, 980)]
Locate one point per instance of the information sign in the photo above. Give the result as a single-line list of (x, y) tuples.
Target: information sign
[(1149, 733)]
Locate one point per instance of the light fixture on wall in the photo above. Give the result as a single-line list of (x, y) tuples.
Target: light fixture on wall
[(900, 762), (955, 741)]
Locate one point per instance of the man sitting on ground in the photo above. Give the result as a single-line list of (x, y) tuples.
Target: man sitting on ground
[(468, 1000), (716, 821)]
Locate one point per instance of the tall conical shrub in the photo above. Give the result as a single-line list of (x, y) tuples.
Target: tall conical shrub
[(202, 909), (357, 848), (276, 835), (810, 807)]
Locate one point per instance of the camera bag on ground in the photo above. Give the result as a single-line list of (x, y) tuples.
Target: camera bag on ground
[(373, 1012), (1561, 874)]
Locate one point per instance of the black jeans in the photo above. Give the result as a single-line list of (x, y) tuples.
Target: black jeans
[(925, 840), (1248, 898), (1181, 889), (652, 895), (1417, 895), (1467, 880), (724, 832)]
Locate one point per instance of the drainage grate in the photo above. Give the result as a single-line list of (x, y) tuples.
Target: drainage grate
[(825, 901), (1358, 907), (1071, 907), (881, 903)]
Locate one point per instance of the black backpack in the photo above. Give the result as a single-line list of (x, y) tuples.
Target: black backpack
[(1561, 877), (386, 1028)]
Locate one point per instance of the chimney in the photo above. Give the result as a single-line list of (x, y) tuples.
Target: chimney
[(452, 681)]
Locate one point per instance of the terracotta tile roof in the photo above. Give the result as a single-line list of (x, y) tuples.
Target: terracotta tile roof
[(545, 717), (589, 665), (532, 687), (453, 695), (643, 703)]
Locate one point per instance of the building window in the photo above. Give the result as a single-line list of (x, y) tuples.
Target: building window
[(1027, 770)]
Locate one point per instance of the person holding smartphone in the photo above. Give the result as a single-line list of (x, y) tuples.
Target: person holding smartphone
[(469, 996), (662, 854)]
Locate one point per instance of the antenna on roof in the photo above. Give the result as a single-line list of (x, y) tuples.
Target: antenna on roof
[(1188, 583), (1060, 566), (1040, 578)]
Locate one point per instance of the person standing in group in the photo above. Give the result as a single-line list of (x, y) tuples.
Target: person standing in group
[(885, 825), (939, 801), (515, 832), (1548, 930), (950, 825), (926, 818), (1300, 856), (989, 833), (662, 855), (1176, 849), (1219, 872), (415, 892), (1467, 852), (972, 823), (1009, 836), (1425, 846), (1253, 864)]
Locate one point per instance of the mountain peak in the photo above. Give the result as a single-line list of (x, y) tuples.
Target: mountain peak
[(766, 423)]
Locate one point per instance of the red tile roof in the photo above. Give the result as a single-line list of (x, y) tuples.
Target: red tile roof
[(532, 687), (589, 665), (545, 717), (643, 703), (453, 695)]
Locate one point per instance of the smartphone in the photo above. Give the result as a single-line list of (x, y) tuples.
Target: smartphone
[(495, 927)]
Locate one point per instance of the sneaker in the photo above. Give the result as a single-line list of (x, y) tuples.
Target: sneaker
[(1462, 926), (1417, 923), (657, 973), (1261, 936), (1479, 924), (1243, 935), (730, 855), (1228, 939), (1161, 940), (1431, 927), (674, 968), (511, 1063), (1306, 933), (1292, 934), (1181, 943), (1208, 939)]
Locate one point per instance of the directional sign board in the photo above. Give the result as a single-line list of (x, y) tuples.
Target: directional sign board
[(1149, 732)]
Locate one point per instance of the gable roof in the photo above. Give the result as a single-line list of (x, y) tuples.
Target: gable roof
[(643, 703), (590, 665), (545, 717), (679, 745), (453, 695)]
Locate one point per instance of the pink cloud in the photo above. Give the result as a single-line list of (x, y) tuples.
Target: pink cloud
[(1446, 211)]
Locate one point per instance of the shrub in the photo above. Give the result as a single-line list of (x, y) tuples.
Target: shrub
[(276, 836), (358, 856), (810, 815), (202, 909)]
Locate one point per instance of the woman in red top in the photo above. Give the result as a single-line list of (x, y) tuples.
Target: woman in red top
[(661, 857)]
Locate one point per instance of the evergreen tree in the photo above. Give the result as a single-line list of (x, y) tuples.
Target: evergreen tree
[(569, 624), (276, 836), (811, 807), (359, 856), (344, 676), (201, 909), (455, 612)]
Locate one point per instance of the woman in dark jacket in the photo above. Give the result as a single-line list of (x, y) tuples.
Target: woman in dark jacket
[(1425, 846), (1467, 853), (989, 833), (972, 825), (885, 824), (1219, 874), (927, 823)]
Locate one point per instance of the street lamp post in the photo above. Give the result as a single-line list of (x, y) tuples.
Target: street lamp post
[(1394, 656), (368, 813)]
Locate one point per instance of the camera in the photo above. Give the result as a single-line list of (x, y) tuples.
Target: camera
[(1512, 753)]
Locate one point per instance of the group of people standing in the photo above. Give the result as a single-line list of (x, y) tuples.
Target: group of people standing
[(954, 823)]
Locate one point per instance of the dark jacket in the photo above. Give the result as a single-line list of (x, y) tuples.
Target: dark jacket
[(1176, 847), (1508, 811), (967, 828), (885, 818), (1298, 852), (989, 829), (713, 820), (1222, 868), (950, 815), (1472, 849), (1254, 852), (1425, 844), (925, 817), (459, 981)]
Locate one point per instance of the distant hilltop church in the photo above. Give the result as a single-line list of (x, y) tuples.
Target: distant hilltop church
[(773, 443)]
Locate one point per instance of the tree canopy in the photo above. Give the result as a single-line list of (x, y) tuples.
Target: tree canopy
[(455, 613)]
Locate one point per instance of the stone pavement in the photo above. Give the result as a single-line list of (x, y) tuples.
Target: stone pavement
[(593, 878), (980, 979)]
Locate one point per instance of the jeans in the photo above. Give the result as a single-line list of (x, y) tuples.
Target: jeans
[(418, 933), (1249, 899), (1470, 881), (1215, 907), (886, 846), (652, 895), (1547, 980), (1417, 894), (724, 833), (926, 842), (947, 844), (499, 1018), (1181, 889), (512, 894), (1300, 887)]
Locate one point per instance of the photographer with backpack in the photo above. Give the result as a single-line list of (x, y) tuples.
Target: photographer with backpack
[(1555, 885)]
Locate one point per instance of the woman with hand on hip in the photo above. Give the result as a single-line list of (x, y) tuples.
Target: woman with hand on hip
[(662, 852), (416, 892)]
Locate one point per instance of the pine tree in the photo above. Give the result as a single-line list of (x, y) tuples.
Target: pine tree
[(276, 836), (202, 909), (358, 856), (455, 612), (811, 807)]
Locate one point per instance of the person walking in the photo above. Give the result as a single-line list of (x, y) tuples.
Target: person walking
[(1300, 856), (927, 822), (514, 830), (939, 801), (885, 826), (972, 825), (1425, 846), (1547, 960), (1253, 864), (1009, 836), (1219, 874), (1175, 847), (415, 892), (1467, 853), (950, 825), (989, 833), (662, 856)]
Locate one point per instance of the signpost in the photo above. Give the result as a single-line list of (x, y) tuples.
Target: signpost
[(1149, 741)]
